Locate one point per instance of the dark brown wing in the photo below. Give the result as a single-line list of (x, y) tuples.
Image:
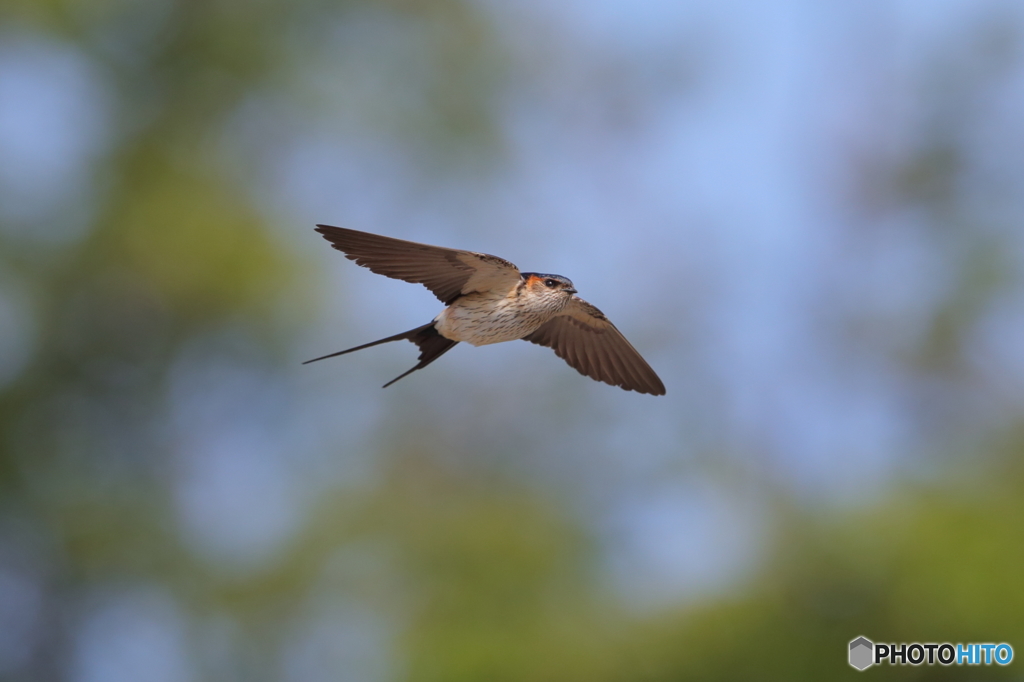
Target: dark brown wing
[(583, 337), (448, 273)]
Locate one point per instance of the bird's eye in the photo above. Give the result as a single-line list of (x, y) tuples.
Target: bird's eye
[(550, 283)]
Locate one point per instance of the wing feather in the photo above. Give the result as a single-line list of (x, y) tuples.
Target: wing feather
[(447, 273), (583, 337)]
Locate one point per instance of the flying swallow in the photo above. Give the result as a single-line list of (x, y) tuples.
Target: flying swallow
[(489, 301)]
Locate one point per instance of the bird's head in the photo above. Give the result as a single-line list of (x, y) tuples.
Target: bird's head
[(549, 286)]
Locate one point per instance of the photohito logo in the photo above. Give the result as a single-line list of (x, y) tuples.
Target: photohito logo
[(864, 653)]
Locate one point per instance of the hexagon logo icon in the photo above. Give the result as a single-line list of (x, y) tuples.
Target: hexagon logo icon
[(862, 653)]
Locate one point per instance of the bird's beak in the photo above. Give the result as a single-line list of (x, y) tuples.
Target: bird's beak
[(569, 291)]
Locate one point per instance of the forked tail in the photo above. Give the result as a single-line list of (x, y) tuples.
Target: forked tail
[(431, 344)]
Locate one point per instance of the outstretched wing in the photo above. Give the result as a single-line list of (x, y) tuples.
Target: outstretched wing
[(583, 337), (448, 273)]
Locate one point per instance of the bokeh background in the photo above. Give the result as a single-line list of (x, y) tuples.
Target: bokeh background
[(808, 216)]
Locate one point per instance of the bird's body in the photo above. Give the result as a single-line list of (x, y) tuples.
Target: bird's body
[(485, 317), (489, 301)]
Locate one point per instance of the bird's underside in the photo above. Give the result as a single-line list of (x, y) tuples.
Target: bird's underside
[(489, 300)]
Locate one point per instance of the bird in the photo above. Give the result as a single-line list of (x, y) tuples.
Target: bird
[(488, 300)]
